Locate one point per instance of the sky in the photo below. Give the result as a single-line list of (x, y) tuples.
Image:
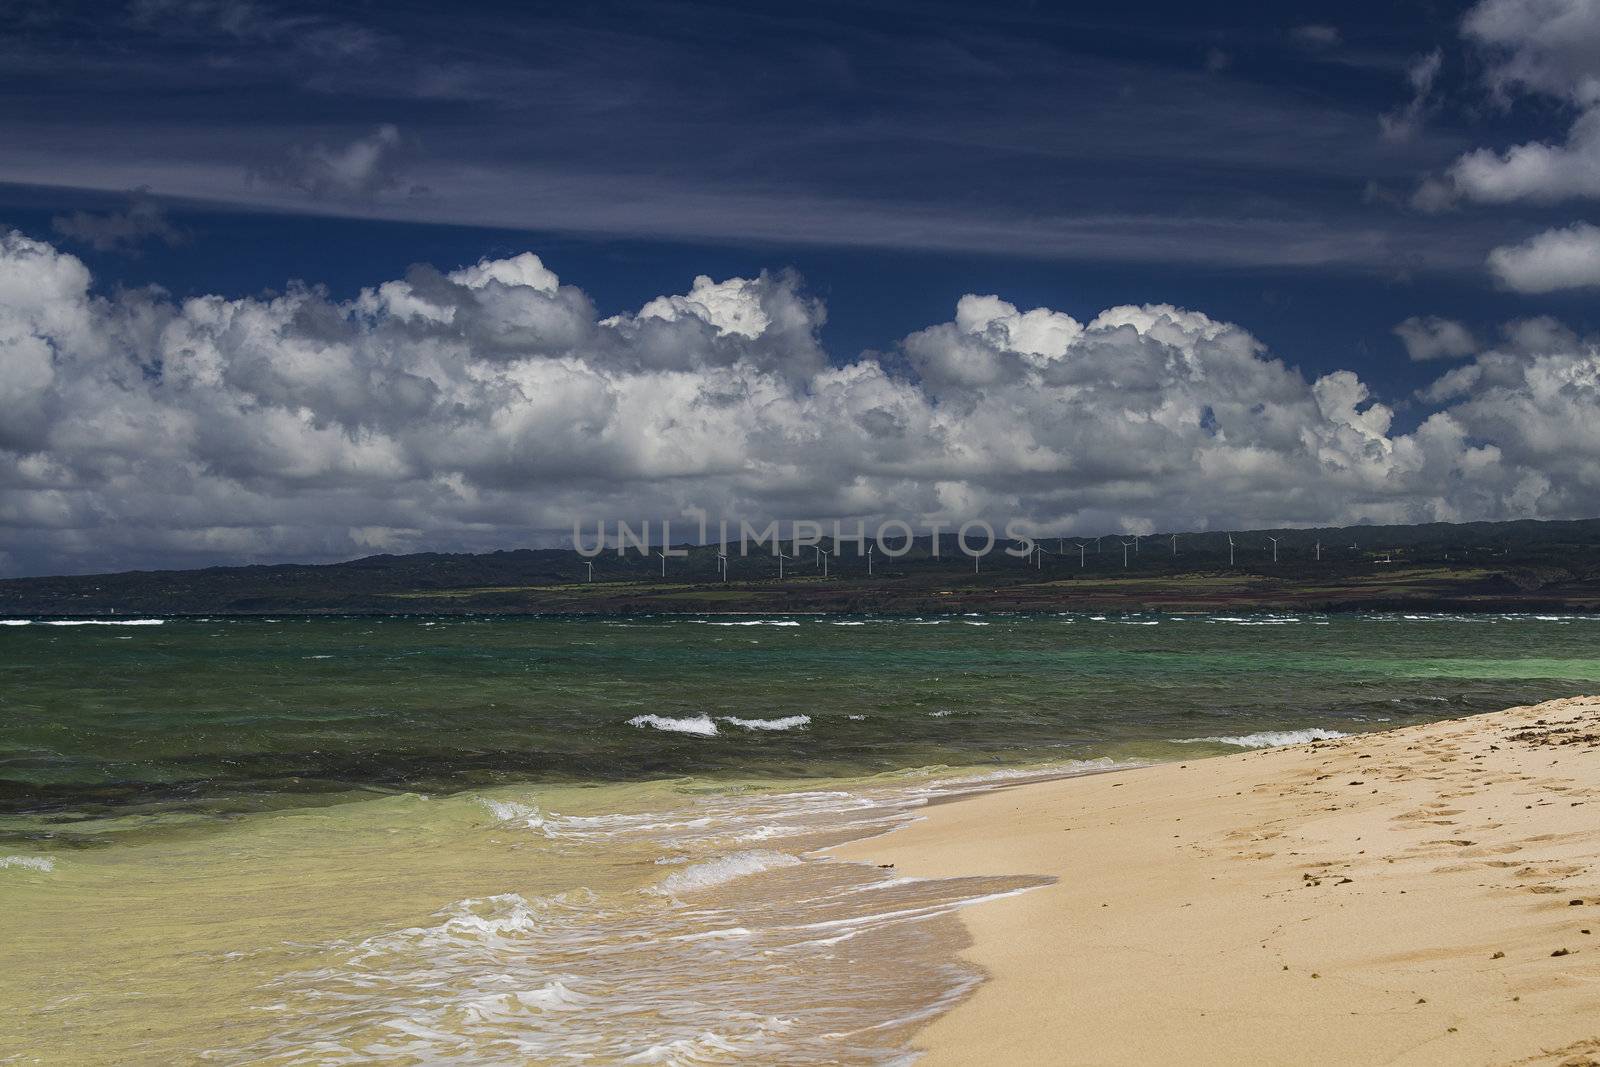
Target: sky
[(308, 282)]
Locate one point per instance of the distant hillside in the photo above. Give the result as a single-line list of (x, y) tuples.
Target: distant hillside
[(1483, 566)]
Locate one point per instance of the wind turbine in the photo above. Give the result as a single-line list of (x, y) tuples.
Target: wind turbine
[(1125, 546), (1319, 551), (722, 565), (590, 565), (1038, 556), (1135, 544), (1081, 546), (822, 558), (781, 558), (869, 561), (1174, 546), (1230, 550), (1274, 541), (663, 556)]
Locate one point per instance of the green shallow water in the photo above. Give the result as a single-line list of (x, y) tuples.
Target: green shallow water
[(227, 715), (558, 841)]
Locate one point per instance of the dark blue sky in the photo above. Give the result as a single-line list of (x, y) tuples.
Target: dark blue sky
[(1228, 159)]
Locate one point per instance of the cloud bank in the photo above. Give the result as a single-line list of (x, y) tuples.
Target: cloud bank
[(489, 406)]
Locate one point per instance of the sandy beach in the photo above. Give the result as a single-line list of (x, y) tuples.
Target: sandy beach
[(1425, 895)]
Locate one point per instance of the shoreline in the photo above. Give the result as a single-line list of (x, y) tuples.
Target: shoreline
[(1400, 896)]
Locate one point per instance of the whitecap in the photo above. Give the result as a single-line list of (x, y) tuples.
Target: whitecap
[(757, 622), (697, 724), (103, 622), (788, 722)]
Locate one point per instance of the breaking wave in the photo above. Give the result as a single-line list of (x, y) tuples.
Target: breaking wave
[(1267, 738)]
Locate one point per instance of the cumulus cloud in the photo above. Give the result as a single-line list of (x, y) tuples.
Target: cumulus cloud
[(488, 406), (124, 230), (1563, 258), (1431, 337), (361, 169), (1546, 48)]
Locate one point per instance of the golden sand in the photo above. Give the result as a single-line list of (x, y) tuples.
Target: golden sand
[(1427, 895)]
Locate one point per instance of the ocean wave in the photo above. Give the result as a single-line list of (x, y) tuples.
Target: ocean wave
[(750, 622), (103, 622), (695, 724), (42, 864), (83, 622), (788, 722), (1267, 738), (712, 873), (728, 953)]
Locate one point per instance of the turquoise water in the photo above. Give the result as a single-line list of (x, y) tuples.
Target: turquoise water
[(223, 715), (601, 841)]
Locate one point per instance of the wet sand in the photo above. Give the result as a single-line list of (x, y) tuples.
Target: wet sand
[(1425, 895)]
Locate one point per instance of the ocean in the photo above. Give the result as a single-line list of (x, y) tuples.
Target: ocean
[(484, 840)]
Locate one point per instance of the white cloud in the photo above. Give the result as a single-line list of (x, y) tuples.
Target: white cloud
[(1403, 123), (488, 406), (1547, 48), (359, 170), (1316, 35), (1544, 46), (1567, 258), (1535, 172), (1431, 337)]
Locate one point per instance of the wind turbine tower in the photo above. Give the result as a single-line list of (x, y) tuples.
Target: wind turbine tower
[(1230, 550), (1274, 541)]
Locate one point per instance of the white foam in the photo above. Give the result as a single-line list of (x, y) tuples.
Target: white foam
[(42, 864), (758, 622), (707, 1048), (788, 722), (16, 622), (1268, 738), (103, 622), (509, 811), (697, 724), (723, 869), (555, 995)]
